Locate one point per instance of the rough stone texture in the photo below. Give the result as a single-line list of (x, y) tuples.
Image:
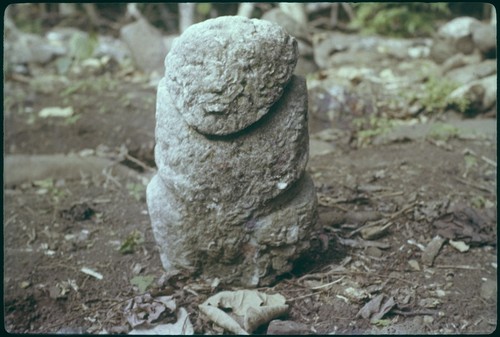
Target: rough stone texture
[(231, 198), (305, 63), (254, 166), (239, 65)]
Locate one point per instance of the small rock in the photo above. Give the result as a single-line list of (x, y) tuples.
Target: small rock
[(278, 327), (458, 27), (459, 245), (320, 147), (442, 49), (374, 252), (432, 250), (428, 319), (71, 331), (25, 284), (414, 265), (489, 289), (440, 293)]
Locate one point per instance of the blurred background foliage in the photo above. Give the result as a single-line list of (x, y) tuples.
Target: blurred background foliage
[(397, 19)]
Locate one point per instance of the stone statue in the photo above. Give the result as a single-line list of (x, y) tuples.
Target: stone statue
[(231, 198)]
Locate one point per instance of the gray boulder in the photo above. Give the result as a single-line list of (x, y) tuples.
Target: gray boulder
[(471, 72), (146, 44), (458, 27), (231, 198), (442, 50), (289, 24), (485, 38)]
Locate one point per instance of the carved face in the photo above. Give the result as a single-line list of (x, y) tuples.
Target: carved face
[(224, 74)]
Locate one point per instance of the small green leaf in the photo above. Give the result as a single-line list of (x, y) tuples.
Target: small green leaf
[(72, 120), (136, 190), (81, 46), (134, 239), (142, 282), (442, 131), (470, 161), (46, 183), (73, 88), (382, 322)]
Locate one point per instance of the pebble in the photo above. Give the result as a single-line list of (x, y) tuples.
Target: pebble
[(278, 327), (488, 289)]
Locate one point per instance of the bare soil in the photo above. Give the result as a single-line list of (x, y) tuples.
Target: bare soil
[(52, 231)]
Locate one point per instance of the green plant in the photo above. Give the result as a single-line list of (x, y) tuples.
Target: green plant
[(91, 85), (136, 190), (72, 119), (134, 239), (371, 127), (442, 131), (435, 95), (47, 187), (399, 19)]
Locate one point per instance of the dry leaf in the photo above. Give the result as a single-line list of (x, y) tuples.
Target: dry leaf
[(183, 326), (249, 309), (377, 308), (222, 319)]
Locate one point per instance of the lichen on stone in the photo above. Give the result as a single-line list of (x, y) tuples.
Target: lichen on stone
[(227, 72)]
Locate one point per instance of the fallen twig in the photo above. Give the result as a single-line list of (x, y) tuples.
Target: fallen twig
[(304, 296), (9, 220), (328, 284), (335, 272), (415, 313), (457, 267), (478, 186), (489, 161), (384, 221), (140, 163)]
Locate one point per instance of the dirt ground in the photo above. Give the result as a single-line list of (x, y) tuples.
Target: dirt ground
[(380, 205)]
